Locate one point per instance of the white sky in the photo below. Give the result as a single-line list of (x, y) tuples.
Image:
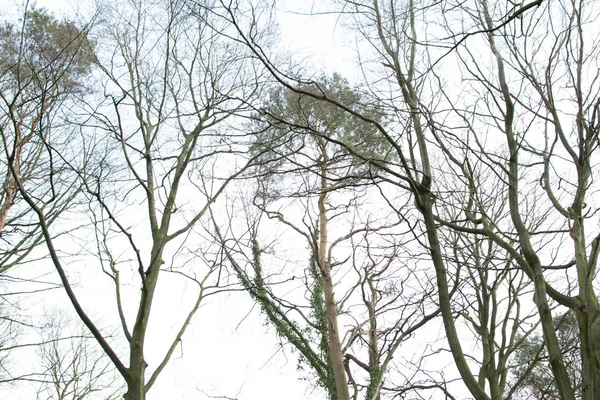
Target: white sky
[(221, 355)]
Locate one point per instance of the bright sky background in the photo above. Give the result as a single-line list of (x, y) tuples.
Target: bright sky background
[(228, 350)]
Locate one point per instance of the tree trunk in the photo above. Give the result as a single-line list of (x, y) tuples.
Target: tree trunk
[(335, 347), (136, 380)]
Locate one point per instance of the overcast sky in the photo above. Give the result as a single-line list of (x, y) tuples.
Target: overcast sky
[(228, 351)]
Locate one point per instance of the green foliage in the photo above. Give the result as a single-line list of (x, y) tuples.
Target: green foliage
[(296, 129), (375, 380), (532, 364), (298, 133), (285, 327), (319, 320), (43, 53), (42, 62)]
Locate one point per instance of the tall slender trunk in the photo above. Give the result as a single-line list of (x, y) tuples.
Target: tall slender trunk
[(136, 379), (376, 369), (335, 346)]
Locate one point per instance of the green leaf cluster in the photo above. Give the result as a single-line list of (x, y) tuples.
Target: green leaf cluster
[(294, 129), (44, 53), (532, 370)]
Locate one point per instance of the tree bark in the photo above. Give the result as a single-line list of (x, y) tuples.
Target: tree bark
[(335, 347)]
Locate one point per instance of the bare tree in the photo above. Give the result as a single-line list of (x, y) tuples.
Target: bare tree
[(43, 67), (445, 134), (536, 147), (490, 171), (318, 190), (159, 137), (10, 336), (74, 367)]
